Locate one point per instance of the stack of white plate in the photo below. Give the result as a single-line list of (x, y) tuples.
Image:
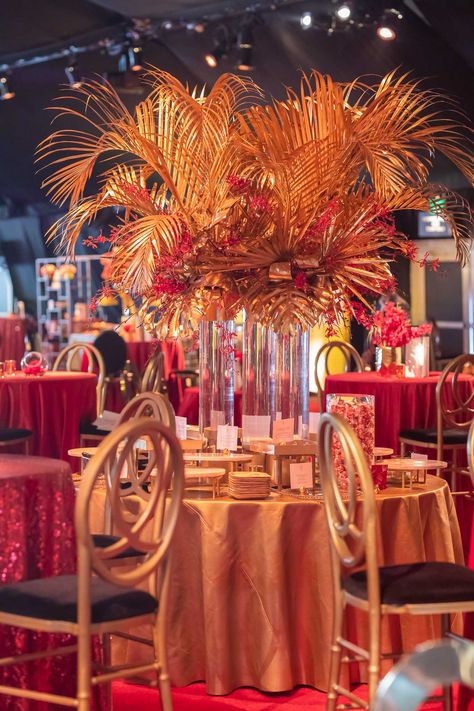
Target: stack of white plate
[(249, 485)]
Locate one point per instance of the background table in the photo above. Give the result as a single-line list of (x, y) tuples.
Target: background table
[(140, 351), (12, 338), (400, 403), (52, 405), (36, 540), (251, 594)]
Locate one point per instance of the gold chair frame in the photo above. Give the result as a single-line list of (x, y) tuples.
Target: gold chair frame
[(153, 375), (349, 353), (464, 408), (353, 544), (93, 357), (150, 404), (470, 451), (150, 533)]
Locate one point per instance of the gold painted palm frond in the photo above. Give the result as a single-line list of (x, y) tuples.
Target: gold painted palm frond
[(285, 207)]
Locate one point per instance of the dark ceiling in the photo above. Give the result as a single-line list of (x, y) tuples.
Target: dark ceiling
[(434, 41)]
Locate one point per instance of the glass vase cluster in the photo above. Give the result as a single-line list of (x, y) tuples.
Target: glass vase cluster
[(359, 412), (216, 373), (389, 361), (275, 374)]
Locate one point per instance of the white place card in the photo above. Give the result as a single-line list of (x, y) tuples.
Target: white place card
[(107, 421), (217, 418), (283, 430), (301, 475), (181, 425), (227, 438), (417, 455), (255, 427), (314, 421)]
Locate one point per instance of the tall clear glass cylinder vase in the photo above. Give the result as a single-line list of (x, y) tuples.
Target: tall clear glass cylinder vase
[(275, 375), (216, 374)]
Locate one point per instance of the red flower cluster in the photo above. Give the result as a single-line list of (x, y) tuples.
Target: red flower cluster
[(423, 330), (168, 285), (238, 184), (301, 282)]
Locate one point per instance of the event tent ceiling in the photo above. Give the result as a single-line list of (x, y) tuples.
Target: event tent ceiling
[(434, 41)]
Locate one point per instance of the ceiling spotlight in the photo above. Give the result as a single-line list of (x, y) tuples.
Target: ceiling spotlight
[(386, 32), (245, 47), (306, 20), (223, 42), (343, 12), (167, 25), (71, 72), (386, 28), (6, 92)]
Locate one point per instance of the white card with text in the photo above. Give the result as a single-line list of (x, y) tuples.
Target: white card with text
[(283, 430), (314, 422), (181, 425), (227, 438), (301, 475), (417, 455)]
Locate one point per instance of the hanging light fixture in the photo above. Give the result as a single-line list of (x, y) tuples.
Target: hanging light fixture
[(6, 91), (223, 42), (344, 12), (245, 47), (71, 72), (387, 25), (306, 20)]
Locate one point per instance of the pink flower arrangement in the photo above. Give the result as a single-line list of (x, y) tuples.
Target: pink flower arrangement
[(391, 327)]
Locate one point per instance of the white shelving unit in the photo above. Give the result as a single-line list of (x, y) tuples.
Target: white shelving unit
[(56, 297)]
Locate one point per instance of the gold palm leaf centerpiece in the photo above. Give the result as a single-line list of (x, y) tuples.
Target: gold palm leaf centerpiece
[(286, 208)]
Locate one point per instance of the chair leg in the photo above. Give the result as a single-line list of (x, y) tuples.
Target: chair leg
[(374, 653), (402, 450), (159, 643), (107, 660), (454, 469), (27, 447), (447, 690), (84, 670), (335, 654)]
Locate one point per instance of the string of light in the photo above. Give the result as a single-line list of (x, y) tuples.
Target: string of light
[(231, 33)]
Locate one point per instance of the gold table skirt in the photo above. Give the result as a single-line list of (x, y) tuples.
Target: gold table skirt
[(251, 596)]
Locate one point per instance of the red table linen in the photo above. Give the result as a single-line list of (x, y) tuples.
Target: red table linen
[(12, 339), (36, 541), (140, 351), (400, 403), (52, 406)]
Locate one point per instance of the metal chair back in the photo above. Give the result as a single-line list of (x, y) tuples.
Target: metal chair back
[(73, 356), (323, 356)]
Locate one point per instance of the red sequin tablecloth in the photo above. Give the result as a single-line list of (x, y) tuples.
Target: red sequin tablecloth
[(400, 403), (12, 339), (52, 406), (36, 541)]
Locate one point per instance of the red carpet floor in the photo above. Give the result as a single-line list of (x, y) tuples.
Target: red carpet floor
[(130, 697)]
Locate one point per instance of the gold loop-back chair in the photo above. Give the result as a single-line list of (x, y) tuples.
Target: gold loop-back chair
[(73, 357), (422, 588), (153, 375), (349, 354), (104, 599), (454, 415)]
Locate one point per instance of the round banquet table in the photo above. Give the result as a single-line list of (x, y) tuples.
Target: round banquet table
[(52, 406), (36, 541), (12, 339), (251, 594), (189, 406), (400, 403)]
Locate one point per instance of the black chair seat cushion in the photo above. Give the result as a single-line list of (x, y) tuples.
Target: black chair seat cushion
[(56, 599), (10, 434), (103, 540), (430, 436), (87, 428), (417, 583)]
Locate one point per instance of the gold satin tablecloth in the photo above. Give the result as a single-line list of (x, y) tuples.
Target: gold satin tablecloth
[(251, 596)]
